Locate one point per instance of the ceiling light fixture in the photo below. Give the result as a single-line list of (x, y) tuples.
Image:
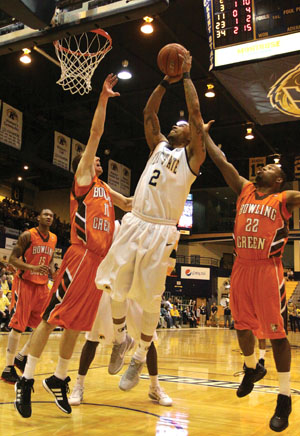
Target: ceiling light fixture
[(25, 58), (249, 134), (181, 121), (277, 160), (147, 27), (124, 74), (26, 167), (210, 93), (20, 178)]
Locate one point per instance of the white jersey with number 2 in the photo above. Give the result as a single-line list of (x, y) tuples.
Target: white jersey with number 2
[(164, 185)]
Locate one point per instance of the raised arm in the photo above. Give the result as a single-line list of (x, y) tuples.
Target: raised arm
[(230, 174), (85, 171), (124, 203), (292, 200), (151, 121), (18, 251), (196, 148)]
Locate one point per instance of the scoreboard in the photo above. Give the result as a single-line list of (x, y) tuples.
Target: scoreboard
[(245, 30)]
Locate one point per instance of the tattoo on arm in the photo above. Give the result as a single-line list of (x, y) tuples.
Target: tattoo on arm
[(153, 121)]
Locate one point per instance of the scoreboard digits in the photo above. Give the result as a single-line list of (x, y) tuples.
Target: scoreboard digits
[(238, 21), (233, 21)]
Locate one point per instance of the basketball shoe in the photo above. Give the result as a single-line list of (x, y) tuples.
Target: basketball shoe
[(280, 419), (131, 376), (158, 394), (59, 389), (118, 355), (20, 362), (251, 376), (23, 390), (76, 397), (9, 375)]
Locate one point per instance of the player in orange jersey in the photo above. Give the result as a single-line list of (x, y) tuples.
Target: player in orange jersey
[(33, 256), (257, 296), (75, 298)]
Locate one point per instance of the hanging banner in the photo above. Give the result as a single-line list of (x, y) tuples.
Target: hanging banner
[(119, 177), (254, 164), (208, 17), (77, 148), (61, 154), (297, 167), (195, 273), (11, 126), (267, 90)]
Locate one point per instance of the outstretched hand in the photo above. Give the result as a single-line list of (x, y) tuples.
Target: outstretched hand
[(186, 62), (110, 81), (206, 127)]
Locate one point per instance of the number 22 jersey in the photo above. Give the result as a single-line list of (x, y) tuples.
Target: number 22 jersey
[(261, 224)]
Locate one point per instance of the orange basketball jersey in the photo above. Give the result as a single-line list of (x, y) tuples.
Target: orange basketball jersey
[(92, 216), (261, 224), (39, 252)]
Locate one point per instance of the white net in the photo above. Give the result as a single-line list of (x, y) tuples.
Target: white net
[(79, 56)]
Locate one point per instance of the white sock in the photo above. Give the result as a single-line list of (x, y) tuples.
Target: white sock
[(284, 383), (12, 345), (119, 311), (62, 368), (262, 354), (154, 381), (142, 350), (30, 367), (250, 361), (80, 380), (120, 332)]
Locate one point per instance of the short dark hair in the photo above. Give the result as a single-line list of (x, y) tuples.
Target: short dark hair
[(75, 162)]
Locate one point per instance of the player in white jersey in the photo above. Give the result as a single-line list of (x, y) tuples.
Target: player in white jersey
[(103, 329), (137, 263)]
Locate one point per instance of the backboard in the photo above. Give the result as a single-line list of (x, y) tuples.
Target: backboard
[(74, 17)]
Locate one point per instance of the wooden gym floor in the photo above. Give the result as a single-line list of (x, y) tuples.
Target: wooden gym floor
[(196, 370)]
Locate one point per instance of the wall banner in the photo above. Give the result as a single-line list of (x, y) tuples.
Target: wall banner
[(119, 177), (77, 148), (11, 126), (195, 273), (61, 154), (254, 164)]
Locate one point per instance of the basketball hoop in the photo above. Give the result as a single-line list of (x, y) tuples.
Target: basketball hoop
[(79, 56)]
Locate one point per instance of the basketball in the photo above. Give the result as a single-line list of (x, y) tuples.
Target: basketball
[(168, 59)]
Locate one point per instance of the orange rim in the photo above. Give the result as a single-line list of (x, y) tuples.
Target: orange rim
[(79, 53)]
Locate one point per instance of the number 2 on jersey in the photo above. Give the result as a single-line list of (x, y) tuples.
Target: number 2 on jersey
[(154, 177)]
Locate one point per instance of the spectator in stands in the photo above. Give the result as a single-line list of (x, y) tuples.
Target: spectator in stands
[(168, 318), (192, 319), (175, 316), (292, 313), (162, 318), (227, 316), (4, 259), (203, 313), (4, 284), (4, 312), (297, 317), (13, 214), (290, 275), (213, 316)]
